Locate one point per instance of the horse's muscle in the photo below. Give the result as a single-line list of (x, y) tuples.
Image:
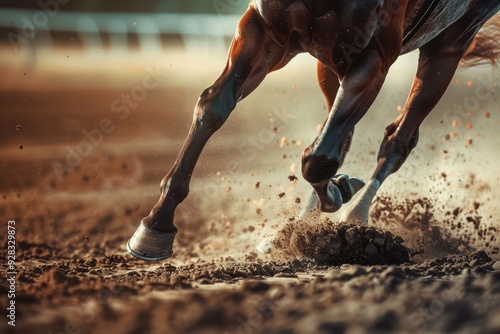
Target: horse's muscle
[(446, 13)]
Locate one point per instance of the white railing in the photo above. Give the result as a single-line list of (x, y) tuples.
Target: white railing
[(32, 28)]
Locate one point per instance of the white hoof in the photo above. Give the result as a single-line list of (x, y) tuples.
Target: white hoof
[(354, 217), (357, 212)]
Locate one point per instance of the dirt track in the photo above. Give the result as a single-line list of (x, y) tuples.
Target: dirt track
[(71, 228)]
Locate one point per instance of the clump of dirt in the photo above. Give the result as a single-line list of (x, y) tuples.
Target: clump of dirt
[(32, 250), (331, 243)]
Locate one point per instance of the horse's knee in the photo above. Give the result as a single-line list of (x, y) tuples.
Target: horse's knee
[(319, 168), (213, 108), (176, 186)]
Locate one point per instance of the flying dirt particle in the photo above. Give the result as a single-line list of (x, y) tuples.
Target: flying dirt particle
[(293, 168), (469, 142), (399, 108), (257, 185), (297, 200), (372, 153), (259, 202), (124, 166), (228, 188), (447, 136), (284, 156), (457, 81), (443, 175), (299, 143), (469, 83), (283, 141), (85, 178), (251, 228), (475, 205), (19, 127), (468, 126), (275, 129), (292, 178), (474, 220), (21, 147), (487, 114), (281, 195), (258, 211)]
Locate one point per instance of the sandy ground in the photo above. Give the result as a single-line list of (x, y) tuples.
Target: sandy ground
[(428, 262)]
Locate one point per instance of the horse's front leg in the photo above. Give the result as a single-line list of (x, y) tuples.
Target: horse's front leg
[(329, 84), (252, 55), (320, 162)]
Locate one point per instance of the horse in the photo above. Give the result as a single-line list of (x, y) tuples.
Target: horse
[(355, 43)]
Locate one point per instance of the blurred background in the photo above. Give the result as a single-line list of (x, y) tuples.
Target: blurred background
[(96, 99), (111, 25), (65, 63)]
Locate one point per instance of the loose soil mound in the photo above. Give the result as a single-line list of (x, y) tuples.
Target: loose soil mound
[(331, 243)]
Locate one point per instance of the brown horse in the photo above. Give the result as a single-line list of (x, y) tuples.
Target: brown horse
[(355, 42)]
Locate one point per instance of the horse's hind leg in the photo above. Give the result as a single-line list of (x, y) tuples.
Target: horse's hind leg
[(252, 55), (437, 64)]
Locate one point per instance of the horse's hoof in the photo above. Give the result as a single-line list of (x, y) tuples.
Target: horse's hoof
[(358, 212), (348, 186), (150, 245)]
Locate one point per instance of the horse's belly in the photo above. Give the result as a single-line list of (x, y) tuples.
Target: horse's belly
[(445, 14)]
